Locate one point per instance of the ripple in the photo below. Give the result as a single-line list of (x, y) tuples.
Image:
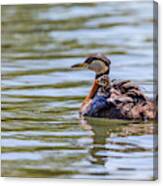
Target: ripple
[(42, 135)]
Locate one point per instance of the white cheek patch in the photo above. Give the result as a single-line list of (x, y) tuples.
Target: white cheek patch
[(98, 66)]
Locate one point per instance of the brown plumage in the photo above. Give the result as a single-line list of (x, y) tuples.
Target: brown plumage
[(127, 101), (114, 99)]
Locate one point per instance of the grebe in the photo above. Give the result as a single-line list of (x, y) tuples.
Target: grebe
[(113, 99)]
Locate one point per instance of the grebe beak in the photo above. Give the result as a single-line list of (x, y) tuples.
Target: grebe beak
[(80, 65)]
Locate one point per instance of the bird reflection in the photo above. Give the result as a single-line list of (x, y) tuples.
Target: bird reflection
[(101, 132), (104, 129)]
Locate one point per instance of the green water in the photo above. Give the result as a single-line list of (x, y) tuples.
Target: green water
[(42, 135)]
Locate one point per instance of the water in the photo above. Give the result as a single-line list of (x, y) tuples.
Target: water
[(42, 135)]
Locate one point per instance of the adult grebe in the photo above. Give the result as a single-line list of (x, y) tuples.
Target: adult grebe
[(113, 99)]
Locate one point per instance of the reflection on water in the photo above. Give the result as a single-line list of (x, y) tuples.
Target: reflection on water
[(42, 135), (117, 148)]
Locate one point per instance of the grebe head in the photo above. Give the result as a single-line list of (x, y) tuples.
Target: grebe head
[(98, 63)]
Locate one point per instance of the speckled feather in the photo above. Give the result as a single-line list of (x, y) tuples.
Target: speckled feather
[(125, 101)]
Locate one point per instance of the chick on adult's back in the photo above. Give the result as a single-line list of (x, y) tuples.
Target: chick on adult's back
[(113, 99)]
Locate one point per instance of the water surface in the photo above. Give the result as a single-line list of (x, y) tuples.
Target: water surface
[(42, 135)]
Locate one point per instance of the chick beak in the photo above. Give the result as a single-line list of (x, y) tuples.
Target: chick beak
[(80, 65)]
